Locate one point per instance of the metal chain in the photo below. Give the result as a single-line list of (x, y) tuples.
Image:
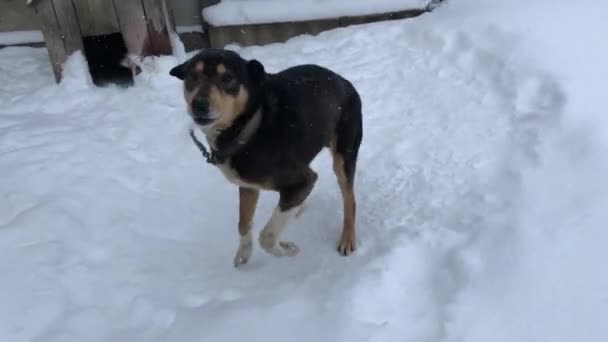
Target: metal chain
[(210, 157)]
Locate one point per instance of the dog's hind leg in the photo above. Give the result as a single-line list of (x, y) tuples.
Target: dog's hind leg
[(290, 201), (248, 199), (301, 209), (345, 148)]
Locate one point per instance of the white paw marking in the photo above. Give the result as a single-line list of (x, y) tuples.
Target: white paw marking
[(243, 253), (269, 237), (289, 248)]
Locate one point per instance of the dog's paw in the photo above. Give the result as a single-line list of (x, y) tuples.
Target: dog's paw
[(289, 248), (243, 253), (278, 248), (346, 246), (242, 256)]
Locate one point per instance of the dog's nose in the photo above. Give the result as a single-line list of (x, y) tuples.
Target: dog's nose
[(200, 106)]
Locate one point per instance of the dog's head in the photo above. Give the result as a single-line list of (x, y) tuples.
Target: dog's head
[(219, 85)]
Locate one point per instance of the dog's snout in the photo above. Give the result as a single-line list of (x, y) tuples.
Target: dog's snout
[(200, 105)]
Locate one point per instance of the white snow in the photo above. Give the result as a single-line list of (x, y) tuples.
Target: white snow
[(189, 28), (481, 186), (20, 37), (238, 12)]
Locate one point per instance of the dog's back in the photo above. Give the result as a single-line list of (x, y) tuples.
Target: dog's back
[(306, 106)]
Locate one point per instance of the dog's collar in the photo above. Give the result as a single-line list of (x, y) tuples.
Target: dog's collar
[(245, 133), (219, 155)]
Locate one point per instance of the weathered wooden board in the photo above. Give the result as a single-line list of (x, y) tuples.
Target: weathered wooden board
[(158, 32), (61, 39), (68, 23), (15, 15), (52, 36), (143, 37), (132, 23), (96, 17)]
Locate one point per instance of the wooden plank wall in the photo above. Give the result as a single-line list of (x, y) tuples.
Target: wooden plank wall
[(158, 31), (64, 22), (61, 31), (132, 23), (96, 17), (143, 37), (15, 15)]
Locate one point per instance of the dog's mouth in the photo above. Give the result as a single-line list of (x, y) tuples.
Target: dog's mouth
[(202, 120)]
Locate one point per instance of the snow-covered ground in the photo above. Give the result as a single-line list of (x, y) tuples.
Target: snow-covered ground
[(238, 12), (21, 37), (481, 186)]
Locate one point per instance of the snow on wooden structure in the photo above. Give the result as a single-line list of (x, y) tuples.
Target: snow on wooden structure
[(144, 25), (259, 22), (247, 12)]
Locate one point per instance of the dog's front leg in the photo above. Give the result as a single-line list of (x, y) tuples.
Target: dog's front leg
[(290, 201), (248, 199)]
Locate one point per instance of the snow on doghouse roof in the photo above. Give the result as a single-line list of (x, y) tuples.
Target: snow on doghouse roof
[(238, 12)]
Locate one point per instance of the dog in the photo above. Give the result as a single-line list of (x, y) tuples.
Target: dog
[(264, 129)]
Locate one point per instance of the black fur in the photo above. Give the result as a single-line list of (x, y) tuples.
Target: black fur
[(303, 108), (178, 71)]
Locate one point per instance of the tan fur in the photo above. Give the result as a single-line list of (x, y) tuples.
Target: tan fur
[(248, 199), (189, 95), (228, 107), (347, 241)]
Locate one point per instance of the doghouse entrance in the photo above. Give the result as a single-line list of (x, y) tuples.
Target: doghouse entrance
[(104, 54)]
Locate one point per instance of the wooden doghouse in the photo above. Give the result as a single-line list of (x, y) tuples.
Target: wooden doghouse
[(142, 27)]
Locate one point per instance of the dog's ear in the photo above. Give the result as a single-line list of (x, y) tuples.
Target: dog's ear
[(179, 71), (256, 71)]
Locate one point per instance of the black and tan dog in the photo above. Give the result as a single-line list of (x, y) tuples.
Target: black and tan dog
[(265, 129)]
